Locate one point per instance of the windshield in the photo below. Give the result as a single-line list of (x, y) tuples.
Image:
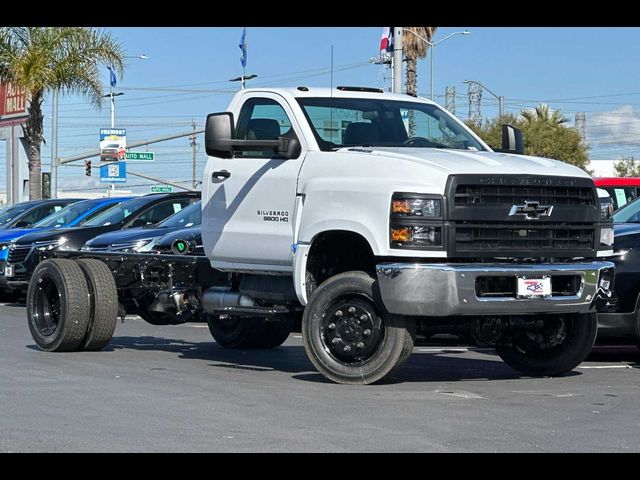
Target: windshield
[(8, 214), (630, 213), (344, 122), (185, 218), (65, 216), (118, 213)]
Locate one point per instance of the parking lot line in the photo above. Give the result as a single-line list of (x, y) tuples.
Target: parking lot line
[(605, 366)]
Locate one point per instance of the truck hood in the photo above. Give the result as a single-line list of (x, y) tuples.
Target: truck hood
[(470, 162)]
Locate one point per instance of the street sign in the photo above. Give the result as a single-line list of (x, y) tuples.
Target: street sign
[(113, 173), (161, 189), (141, 156)]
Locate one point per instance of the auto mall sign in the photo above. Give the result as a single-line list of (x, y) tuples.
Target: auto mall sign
[(13, 104)]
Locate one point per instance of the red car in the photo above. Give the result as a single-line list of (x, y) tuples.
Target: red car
[(112, 152), (622, 189)]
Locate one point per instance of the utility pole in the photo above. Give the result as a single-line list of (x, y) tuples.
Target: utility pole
[(475, 99), (581, 121), (450, 99), (54, 146), (397, 59), (194, 145)]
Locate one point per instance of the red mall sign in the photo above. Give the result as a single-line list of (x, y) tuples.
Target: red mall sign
[(13, 104)]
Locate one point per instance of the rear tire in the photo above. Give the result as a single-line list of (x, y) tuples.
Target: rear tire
[(58, 305), (561, 346), (103, 299), (348, 334)]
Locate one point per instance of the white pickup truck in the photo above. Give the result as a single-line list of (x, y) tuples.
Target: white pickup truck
[(372, 216)]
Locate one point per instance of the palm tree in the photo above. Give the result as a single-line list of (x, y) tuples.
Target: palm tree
[(541, 114), (42, 59), (415, 48)]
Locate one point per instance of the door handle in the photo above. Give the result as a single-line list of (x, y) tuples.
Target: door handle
[(220, 175)]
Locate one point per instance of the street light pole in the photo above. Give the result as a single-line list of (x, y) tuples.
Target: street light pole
[(499, 97), (54, 146), (397, 60), (432, 45)]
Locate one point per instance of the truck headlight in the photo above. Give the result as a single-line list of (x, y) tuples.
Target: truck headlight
[(416, 221), (404, 205), (606, 236)]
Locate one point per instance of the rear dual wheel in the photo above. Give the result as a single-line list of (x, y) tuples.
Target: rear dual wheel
[(72, 305)]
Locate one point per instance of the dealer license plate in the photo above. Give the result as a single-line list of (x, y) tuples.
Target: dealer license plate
[(8, 271), (534, 287)]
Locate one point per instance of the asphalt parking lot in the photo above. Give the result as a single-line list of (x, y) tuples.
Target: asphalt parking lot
[(165, 389)]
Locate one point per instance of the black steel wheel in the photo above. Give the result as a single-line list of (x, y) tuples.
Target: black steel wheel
[(556, 347), (349, 336), (58, 305)]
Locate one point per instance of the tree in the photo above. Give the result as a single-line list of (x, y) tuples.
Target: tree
[(544, 133), (43, 59), (627, 167), (415, 48)]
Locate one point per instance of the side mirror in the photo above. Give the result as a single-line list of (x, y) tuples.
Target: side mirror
[(219, 141), (22, 224), (511, 140), (218, 134)]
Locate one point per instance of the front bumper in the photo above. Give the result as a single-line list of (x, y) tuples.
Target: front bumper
[(443, 290)]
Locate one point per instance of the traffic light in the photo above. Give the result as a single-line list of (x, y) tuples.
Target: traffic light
[(87, 168)]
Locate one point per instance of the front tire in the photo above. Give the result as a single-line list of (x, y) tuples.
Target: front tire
[(58, 305), (348, 334), (559, 347)]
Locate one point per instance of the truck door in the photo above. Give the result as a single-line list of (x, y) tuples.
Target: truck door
[(249, 200)]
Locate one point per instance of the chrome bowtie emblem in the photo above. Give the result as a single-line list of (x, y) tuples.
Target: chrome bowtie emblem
[(531, 210)]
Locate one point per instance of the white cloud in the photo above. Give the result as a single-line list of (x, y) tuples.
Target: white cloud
[(616, 128)]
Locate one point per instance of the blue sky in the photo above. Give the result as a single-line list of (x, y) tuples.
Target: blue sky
[(187, 76)]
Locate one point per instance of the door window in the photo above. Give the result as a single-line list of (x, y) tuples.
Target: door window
[(262, 119)]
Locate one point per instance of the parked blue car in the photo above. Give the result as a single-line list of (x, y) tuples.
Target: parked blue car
[(26, 214)]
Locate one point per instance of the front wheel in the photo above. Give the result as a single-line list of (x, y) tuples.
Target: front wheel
[(348, 335), (560, 345)]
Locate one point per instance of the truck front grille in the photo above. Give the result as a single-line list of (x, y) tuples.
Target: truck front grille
[(517, 195), (475, 237), (522, 216)]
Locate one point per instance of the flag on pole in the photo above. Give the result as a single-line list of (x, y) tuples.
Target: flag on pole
[(243, 47), (112, 76), (386, 43)]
